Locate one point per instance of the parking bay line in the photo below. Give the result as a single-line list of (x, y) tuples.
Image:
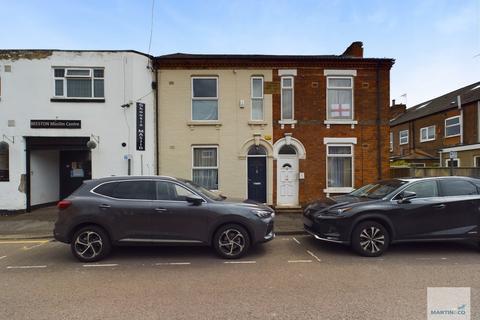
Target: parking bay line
[(299, 261), (239, 262), (295, 239), (2, 257), (313, 255), (173, 263), (100, 265), (26, 267)]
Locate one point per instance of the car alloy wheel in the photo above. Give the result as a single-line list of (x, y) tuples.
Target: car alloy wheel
[(372, 239), (88, 244), (231, 242)]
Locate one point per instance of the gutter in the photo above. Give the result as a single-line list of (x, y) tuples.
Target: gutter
[(378, 120), (157, 157)]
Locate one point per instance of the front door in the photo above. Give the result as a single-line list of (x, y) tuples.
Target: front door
[(75, 167), (257, 179), (287, 180)]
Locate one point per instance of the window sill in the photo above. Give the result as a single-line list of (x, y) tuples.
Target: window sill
[(257, 123), (338, 190), (292, 123), (455, 135), (422, 141), (193, 124), (352, 123), (88, 100)]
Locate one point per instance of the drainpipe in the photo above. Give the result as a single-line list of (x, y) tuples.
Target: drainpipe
[(459, 102), (378, 122), (157, 141)]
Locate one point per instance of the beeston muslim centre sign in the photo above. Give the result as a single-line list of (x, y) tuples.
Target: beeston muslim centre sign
[(55, 124)]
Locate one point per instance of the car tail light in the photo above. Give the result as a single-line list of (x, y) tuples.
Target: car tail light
[(64, 204)]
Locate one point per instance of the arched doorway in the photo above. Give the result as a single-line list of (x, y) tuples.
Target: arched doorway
[(257, 173), (287, 176)]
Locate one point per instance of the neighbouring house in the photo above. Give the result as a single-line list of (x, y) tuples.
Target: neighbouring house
[(280, 129), (71, 115), (424, 135)]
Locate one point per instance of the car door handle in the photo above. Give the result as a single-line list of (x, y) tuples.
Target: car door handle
[(104, 206), (439, 206), (160, 209)]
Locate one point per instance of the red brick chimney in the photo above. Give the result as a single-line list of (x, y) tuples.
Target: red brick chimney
[(397, 109), (354, 50)]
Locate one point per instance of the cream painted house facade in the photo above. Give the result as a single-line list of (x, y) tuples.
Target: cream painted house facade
[(215, 128)]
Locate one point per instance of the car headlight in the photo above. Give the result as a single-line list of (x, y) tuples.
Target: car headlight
[(263, 213), (342, 210)]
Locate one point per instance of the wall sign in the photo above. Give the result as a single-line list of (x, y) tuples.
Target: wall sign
[(140, 126), (55, 124)]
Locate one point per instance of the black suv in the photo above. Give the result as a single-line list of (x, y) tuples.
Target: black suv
[(158, 210), (375, 215)]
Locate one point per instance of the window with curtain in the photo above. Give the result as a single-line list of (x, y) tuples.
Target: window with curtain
[(340, 98), (79, 83), (340, 164), (287, 98), (205, 98), (257, 98), (205, 167), (4, 162)]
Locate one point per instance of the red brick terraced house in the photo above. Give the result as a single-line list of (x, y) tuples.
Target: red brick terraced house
[(281, 129), (424, 135)]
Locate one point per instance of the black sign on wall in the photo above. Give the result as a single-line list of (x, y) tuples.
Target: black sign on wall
[(55, 124), (140, 126)]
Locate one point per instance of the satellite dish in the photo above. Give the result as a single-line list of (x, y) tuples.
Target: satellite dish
[(91, 144)]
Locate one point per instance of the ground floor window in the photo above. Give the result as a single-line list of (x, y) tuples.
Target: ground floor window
[(456, 162), (205, 167), (476, 161), (340, 166), (4, 162)]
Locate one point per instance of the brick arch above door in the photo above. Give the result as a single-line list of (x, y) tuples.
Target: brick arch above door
[(289, 140)]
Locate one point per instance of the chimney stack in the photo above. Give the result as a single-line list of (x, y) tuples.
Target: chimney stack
[(355, 50), (397, 109)]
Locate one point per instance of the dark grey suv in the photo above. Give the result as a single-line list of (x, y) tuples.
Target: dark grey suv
[(158, 210)]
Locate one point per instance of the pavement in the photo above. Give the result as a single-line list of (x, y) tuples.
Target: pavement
[(291, 277), (39, 224)]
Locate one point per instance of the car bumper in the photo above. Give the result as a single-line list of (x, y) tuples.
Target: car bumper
[(60, 234), (331, 230), (264, 231)]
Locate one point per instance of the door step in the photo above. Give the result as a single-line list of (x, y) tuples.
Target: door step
[(289, 210)]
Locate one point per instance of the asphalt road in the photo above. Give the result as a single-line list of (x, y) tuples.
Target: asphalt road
[(288, 278)]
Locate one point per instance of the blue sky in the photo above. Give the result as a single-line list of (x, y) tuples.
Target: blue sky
[(434, 42)]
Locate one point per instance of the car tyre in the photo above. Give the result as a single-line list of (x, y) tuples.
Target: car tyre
[(231, 241), (90, 244), (370, 239)]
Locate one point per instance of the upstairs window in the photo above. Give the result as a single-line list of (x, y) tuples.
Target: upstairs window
[(391, 141), (205, 99), (257, 98), (4, 162), (452, 127), (403, 135), (427, 134), (79, 82), (339, 98), (287, 98)]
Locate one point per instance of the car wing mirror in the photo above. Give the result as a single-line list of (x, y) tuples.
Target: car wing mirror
[(406, 196), (195, 200)]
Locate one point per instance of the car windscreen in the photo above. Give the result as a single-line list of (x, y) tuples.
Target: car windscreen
[(378, 190), (204, 191)]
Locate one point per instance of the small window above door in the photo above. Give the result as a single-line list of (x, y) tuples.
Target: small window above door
[(257, 151), (287, 149)]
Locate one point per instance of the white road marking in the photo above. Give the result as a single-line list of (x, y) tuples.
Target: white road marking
[(173, 263), (299, 261), (34, 246), (288, 239), (2, 257), (25, 267), (239, 262), (100, 265), (423, 258), (295, 239), (444, 258), (313, 255)]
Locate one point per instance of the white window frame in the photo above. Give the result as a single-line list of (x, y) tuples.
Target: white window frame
[(91, 76), (351, 78), (204, 98), (327, 155), (400, 137), (293, 98), (252, 98), (449, 126), (426, 129), (391, 141), (209, 168), (454, 159)]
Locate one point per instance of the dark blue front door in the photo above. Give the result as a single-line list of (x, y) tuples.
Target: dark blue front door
[(257, 179)]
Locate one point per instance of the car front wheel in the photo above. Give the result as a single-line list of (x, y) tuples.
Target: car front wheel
[(231, 241), (90, 244), (370, 239)]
